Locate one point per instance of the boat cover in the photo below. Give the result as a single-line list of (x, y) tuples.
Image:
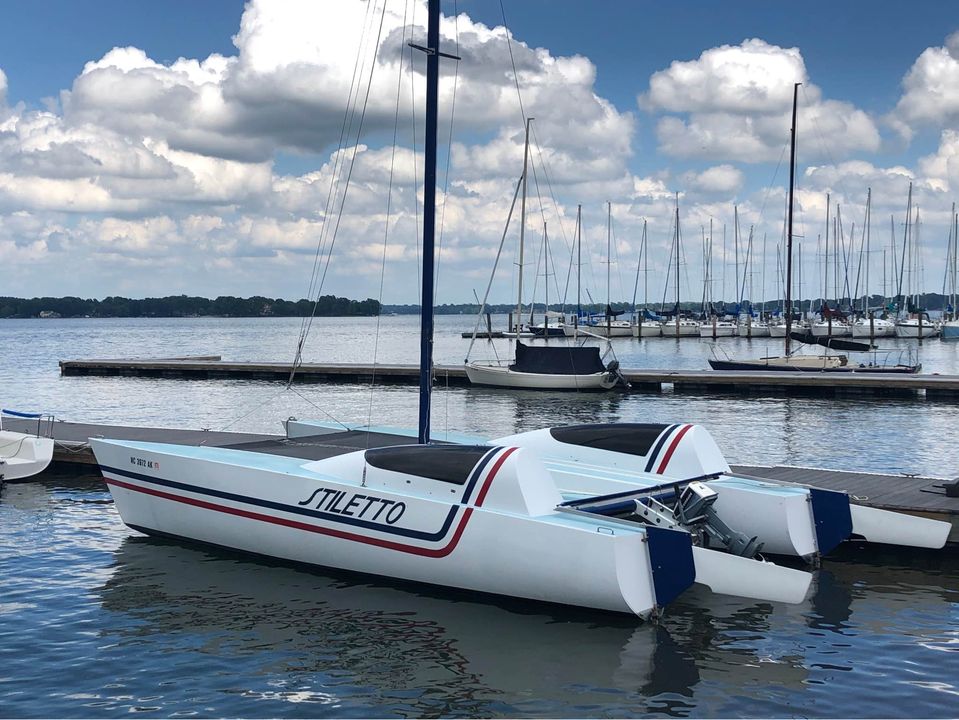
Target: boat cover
[(831, 342), (567, 360)]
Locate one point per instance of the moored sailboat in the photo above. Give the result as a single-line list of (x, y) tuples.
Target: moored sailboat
[(487, 519)]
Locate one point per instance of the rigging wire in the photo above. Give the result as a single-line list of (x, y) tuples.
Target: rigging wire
[(332, 236), (386, 229)]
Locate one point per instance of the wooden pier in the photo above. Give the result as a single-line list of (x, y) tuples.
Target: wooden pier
[(903, 493), (865, 385)]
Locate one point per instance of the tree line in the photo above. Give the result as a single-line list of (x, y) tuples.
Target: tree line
[(183, 306)]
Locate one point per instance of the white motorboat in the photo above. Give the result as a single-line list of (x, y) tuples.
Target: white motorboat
[(23, 455), (871, 328)]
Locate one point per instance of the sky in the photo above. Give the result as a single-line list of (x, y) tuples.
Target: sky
[(228, 148)]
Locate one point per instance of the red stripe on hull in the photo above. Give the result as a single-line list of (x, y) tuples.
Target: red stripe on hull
[(672, 448), (387, 544)]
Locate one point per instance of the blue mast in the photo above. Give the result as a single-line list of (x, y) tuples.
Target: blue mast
[(433, 54)]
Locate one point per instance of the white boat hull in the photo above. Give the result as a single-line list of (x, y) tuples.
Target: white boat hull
[(883, 526), (791, 520), (498, 533), (836, 329), (22, 455), (912, 330), (647, 329), (878, 328), (755, 330), (717, 330), (684, 329), (502, 376), (617, 329)]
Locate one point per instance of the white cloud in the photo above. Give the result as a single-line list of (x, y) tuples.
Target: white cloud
[(930, 90), (718, 180), (942, 167), (737, 100), (753, 77)]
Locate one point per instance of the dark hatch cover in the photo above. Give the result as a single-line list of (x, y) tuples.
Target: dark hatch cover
[(629, 438)]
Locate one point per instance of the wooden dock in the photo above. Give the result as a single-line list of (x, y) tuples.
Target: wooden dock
[(931, 387), (902, 493)]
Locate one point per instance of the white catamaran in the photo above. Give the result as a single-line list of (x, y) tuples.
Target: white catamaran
[(481, 518), (556, 515)]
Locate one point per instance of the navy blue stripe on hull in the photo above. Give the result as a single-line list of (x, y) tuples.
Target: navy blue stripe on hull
[(651, 462), (295, 510)]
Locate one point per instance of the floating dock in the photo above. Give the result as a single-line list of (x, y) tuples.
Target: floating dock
[(932, 387), (903, 493)]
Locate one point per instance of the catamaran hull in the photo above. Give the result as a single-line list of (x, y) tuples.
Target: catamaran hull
[(215, 496), (497, 376), (791, 520), (891, 528)]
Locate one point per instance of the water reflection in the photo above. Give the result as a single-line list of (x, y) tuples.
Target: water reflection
[(444, 653), (172, 629), (453, 656)]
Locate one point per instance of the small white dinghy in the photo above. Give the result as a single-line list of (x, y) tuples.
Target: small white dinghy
[(23, 455)]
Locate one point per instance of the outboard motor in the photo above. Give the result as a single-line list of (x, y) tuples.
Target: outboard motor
[(614, 375), (693, 512)]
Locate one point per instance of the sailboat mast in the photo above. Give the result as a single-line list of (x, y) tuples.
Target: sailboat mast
[(677, 264), (865, 303), (546, 277), (429, 216), (789, 228), (579, 262), (609, 265), (522, 229)]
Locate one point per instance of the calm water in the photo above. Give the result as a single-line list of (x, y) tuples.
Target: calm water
[(97, 621)]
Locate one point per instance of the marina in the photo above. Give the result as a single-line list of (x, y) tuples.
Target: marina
[(931, 387), (259, 507)]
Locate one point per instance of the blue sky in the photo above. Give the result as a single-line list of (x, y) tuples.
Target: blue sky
[(234, 189)]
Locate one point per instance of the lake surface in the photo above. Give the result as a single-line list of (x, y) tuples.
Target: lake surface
[(98, 621)]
